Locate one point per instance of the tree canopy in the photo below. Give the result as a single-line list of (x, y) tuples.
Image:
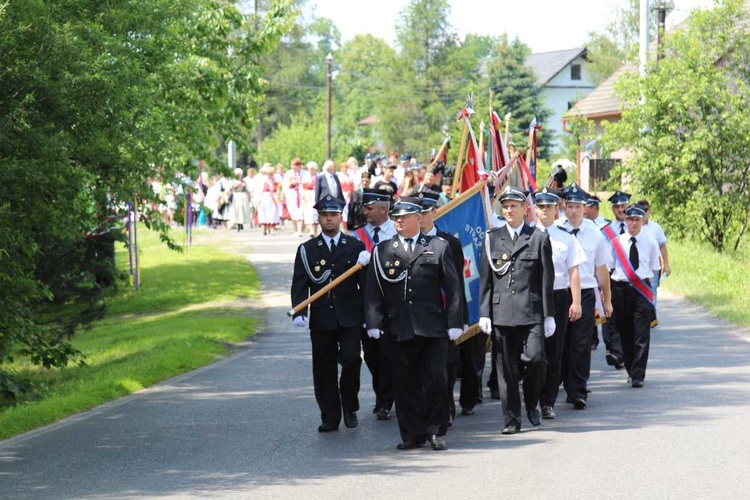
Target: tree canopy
[(96, 98), (687, 124)]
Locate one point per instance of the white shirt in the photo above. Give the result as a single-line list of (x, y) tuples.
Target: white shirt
[(648, 256), (413, 240), (601, 222), (654, 230), (327, 239), (387, 230), (619, 227), (567, 253), (516, 231), (597, 250)]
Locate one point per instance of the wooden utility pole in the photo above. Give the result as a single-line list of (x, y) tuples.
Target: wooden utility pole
[(329, 60)]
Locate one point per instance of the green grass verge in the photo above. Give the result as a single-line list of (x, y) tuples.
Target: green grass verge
[(714, 281), (188, 313)]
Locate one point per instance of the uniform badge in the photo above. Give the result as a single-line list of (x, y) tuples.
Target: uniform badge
[(387, 263), (391, 271), (504, 257), (320, 243), (421, 242), (499, 262), (322, 262), (397, 263), (395, 244), (317, 269)]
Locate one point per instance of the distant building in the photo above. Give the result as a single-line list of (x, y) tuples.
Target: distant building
[(565, 79)]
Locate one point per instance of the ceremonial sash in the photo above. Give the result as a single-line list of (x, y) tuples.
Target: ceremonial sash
[(638, 283), (364, 237)]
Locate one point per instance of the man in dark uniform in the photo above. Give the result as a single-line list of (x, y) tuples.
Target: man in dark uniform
[(516, 277), (336, 319), (461, 358), (410, 278), (378, 227), (356, 216)]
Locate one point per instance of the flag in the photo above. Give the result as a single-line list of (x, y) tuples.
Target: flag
[(468, 223), (498, 150), (533, 146), (470, 174)]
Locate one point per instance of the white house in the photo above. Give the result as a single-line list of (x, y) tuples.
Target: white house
[(565, 79)]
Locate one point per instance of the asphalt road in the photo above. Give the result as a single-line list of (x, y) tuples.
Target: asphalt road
[(246, 427)]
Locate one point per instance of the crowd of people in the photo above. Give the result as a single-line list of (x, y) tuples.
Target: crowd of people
[(550, 271), (273, 196)]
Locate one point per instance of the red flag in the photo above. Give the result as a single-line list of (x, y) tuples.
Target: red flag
[(499, 152), (470, 174)]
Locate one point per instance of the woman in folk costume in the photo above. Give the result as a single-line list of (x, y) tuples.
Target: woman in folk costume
[(347, 186), (278, 179), (240, 211), (291, 189), (309, 214), (268, 214)]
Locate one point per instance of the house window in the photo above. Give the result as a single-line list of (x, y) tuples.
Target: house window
[(575, 72)]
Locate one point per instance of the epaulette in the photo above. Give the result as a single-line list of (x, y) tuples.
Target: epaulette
[(607, 220), (492, 229)]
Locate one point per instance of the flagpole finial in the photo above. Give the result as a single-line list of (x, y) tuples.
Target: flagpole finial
[(470, 103)]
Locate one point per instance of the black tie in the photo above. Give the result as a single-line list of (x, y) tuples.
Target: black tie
[(575, 231), (375, 237), (408, 241), (333, 245), (622, 228), (515, 236), (633, 253)]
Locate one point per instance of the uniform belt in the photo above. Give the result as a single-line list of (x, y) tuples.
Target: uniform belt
[(627, 283)]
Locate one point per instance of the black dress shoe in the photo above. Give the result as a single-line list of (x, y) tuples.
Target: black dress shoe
[(467, 411), (437, 443), (327, 428), (611, 359), (579, 403), (637, 383), (569, 400), (350, 420), (375, 409), (409, 445), (495, 394), (535, 417), (548, 413), (383, 414), (512, 429)]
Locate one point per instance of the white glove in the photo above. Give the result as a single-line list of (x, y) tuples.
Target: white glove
[(300, 321), (549, 326), (364, 258), (374, 333), (454, 333), (485, 324)]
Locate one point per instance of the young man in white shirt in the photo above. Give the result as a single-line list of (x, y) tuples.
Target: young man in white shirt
[(638, 260)]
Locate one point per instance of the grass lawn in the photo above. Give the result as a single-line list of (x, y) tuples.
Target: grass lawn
[(716, 282), (188, 313)]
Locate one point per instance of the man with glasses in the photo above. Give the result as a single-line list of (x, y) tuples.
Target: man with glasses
[(413, 299)]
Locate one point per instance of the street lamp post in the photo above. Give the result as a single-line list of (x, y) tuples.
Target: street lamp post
[(329, 60)]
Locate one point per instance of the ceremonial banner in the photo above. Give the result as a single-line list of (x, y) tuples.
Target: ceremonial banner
[(468, 223)]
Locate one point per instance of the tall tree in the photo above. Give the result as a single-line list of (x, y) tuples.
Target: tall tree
[(687, 124), (96, 98), (516, 90)]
